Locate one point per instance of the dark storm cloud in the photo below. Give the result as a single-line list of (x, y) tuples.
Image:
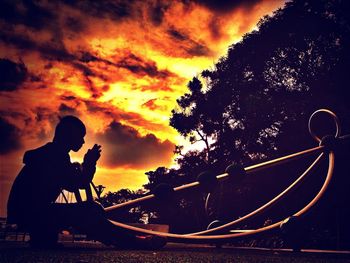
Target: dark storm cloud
[(49, 50), (177, 35), (198, 50), (56, 51), (74, 24), (190, 46), (35, 15), (27, 12), (87, 57), (9, 137), (18, 41), (36, 123), (68, 97), (131, 62), (115, 10), (87, 71), (40, 15), (43, 114), (222, 7), (35, 78), (110, 111), (215, 28), (157, 11), (141, 67), (126, 147), (67, 110), (53, 52), (69, 105), (12, 74), (94, 106), (226, 5)]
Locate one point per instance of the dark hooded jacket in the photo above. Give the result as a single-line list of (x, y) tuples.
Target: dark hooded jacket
[(46, 172)]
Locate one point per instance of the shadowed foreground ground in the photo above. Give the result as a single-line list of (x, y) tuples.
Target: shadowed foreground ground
[(93, 252)]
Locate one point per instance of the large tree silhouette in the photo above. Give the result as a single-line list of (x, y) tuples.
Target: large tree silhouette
[(255, 102), (257, 99)]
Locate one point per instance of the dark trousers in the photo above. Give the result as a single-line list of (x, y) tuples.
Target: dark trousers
[(86, 217)]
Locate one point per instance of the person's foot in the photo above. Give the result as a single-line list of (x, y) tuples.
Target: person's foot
[(45, 245)]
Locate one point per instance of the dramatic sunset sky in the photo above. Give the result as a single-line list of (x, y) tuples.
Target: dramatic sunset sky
[(117, 65)]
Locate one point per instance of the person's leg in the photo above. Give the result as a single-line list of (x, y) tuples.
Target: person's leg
[(43, 238), (42, 230), (90, 218)]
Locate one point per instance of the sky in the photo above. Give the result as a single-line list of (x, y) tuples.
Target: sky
[(117, 65)]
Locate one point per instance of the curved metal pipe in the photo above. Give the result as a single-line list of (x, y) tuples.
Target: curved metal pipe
[(268, 204), (213, 238), (249, 169), (336, 122)]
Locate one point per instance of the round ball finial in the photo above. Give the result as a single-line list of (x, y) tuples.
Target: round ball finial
[(163, 191), (236, 172), (207, 181), (214, 224)]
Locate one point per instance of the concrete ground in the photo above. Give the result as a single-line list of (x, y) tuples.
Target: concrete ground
[(82, 252)]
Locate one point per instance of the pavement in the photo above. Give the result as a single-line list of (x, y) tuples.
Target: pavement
[(83, 252)]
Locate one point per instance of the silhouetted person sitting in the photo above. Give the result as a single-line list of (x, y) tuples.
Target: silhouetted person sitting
[(47, 171)]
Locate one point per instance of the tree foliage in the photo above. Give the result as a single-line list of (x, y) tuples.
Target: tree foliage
[(255, 103), (258, 98)]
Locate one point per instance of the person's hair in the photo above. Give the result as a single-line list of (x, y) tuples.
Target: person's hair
[(66, 125)]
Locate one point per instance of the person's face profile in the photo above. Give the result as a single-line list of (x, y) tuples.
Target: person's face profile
[(77, 140)]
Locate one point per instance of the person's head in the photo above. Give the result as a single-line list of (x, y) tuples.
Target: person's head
[(70, 132)]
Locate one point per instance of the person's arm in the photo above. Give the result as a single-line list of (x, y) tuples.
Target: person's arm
[(79, 176), (89, 163)]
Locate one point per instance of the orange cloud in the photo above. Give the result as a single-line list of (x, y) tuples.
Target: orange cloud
[(118, 65)]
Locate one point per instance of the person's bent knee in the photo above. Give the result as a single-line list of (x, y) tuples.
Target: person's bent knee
[(98, 207), (94, 208)]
